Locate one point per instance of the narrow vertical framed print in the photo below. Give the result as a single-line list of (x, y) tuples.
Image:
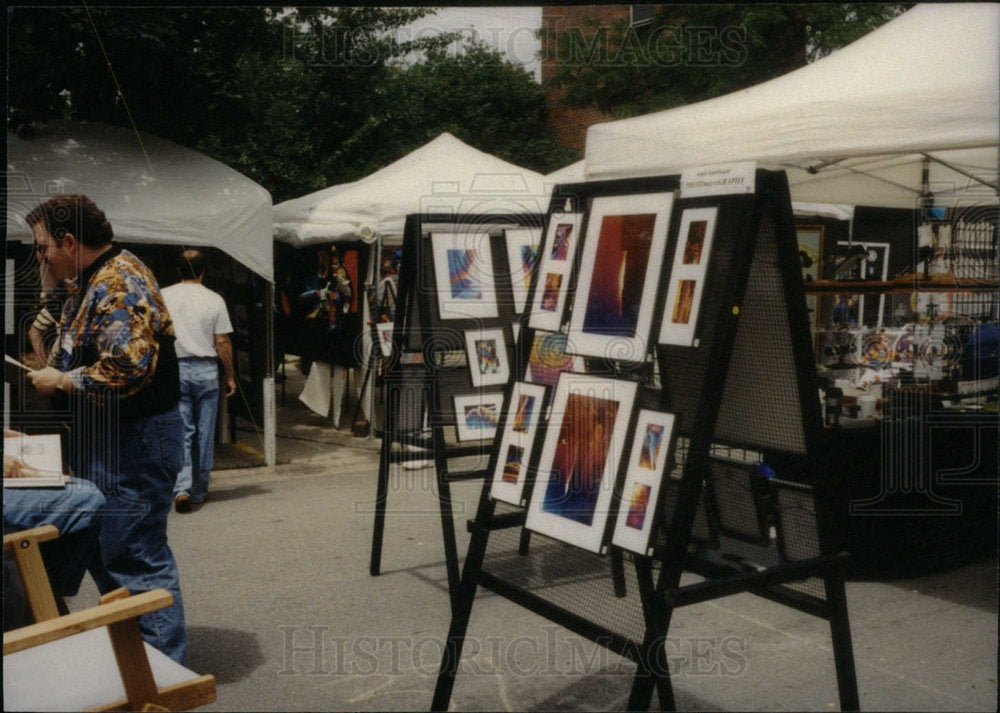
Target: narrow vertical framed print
[(522, 259), (463, 270), (523, 416), (687, 276), (620, 266), (555, 267), (571, 498), (643, 479)]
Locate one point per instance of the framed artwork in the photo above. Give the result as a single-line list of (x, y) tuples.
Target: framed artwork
[(571, 499), (810, 242), (646, 468), (548, 358), (477, 416), (523, 415), (874, 266), (384, 330), (554, 270), (687, 278), (463, 270), (487, 352), (626, 237), (522, 257)]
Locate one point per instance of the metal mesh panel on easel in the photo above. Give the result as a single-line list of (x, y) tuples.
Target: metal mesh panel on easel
[(735, 501), (408, 384), (701, 531), (568, 577), (760, 405), (798, 533)]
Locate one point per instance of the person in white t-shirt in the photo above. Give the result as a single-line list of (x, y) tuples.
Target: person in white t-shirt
[(202, 324)]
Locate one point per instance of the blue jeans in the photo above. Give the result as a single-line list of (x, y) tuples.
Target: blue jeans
[(73, 510), (136, 470), (198, 406)]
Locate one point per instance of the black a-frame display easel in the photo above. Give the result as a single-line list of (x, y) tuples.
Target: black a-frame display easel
[(749, 500), (428, 368)]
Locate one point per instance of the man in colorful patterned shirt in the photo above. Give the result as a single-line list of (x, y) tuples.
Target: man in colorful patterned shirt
[(115, 369)]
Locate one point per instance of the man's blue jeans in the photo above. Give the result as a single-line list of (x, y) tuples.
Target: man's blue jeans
[(198, 406), (136, 470), (74, 512)]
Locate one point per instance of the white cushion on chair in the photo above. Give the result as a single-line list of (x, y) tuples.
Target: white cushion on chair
[(76, 673)]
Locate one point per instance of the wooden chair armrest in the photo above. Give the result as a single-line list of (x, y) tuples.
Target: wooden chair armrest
[(39, 534), (25, 547), (86, 619)]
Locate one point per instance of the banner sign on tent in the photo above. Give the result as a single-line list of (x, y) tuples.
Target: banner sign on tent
[(718, 180)]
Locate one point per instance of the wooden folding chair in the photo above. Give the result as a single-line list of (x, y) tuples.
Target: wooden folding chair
[(94, 659)]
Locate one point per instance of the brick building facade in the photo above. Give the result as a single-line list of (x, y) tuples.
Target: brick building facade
[(569, 124)]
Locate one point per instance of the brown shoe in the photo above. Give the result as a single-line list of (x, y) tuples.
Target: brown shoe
[(182, 503)]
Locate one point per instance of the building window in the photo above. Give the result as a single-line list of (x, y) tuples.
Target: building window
[(641, 14)]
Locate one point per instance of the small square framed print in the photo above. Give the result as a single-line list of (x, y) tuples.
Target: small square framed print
[(643, 479), (477, 416), (487, 353), (463, 270)]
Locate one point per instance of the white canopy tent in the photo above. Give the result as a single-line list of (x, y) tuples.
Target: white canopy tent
[(152, 191), (573, 173), (443, 176), (854, 127)]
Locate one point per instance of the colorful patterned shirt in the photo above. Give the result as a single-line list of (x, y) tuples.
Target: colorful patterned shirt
[(111, 329)]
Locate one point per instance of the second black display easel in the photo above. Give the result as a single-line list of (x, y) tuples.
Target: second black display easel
[(747, 499)]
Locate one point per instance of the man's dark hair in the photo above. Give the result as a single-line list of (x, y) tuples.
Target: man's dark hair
[(191, 264), (74, 214)]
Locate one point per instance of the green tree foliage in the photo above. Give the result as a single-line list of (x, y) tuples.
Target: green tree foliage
[(693, 52), (297, 99), (474, 94)]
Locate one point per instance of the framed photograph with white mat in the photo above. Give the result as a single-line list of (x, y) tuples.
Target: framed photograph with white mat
[(463, 271), (487, 353), (643, 479), (619, 275), (477, 416), (687, 276), (523, 416), (573, 489), (553, 274)]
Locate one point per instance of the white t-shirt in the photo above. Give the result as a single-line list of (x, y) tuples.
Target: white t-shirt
[(198, 315)]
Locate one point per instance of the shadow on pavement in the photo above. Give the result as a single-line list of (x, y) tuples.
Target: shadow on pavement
[(231, 655), (240, 491)]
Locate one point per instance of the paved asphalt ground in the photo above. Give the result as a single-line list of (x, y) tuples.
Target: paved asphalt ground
[(282, 610)]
